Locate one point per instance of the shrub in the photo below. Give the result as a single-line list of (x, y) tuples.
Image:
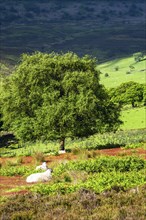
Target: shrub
[(128, 72), (116, 68), (132, 146), (22, 215), (103, 164), (39, 156), (84, 204), (106, 75), (14, 171)]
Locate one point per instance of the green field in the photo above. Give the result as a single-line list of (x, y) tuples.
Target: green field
[(138, 74), (134, 118)]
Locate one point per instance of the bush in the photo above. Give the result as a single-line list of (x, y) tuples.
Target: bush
[(132, 146), (39, 156), (103, 164), (14, 171), (22, 215), (106, 75), (128, 72)]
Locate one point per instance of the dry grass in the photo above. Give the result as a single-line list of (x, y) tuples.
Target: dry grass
[(39, 157)]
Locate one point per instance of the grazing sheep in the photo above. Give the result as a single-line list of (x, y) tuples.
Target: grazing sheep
[(39, 177), (42, 167)]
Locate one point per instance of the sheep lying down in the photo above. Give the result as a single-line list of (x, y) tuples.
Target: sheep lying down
[(39, 177)]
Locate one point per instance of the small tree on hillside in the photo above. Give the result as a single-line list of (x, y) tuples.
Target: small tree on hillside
[(138, 56), (144, 94), (127, 93), (53, 96), (116, 68), (1, 95)]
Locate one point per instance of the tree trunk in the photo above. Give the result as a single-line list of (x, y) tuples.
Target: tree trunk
[(62, 144), (133, 104)]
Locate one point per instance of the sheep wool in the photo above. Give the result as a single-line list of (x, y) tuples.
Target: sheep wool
[(39, 177), (42, 167)]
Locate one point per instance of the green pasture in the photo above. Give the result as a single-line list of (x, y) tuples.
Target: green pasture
[(134, 118), (115, 78)]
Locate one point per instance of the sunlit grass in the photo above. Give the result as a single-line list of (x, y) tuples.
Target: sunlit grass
[(134, 118), (138, 74)]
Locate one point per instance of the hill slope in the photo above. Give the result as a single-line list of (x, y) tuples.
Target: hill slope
[(124, 73), (105, 29)]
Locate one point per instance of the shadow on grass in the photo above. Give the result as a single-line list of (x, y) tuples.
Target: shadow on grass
[(100, 147), (109, 146)]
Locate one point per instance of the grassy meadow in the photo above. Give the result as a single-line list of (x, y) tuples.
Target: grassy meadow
[(116, 77), (134, 118)]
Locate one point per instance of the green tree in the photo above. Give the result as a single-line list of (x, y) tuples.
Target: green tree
[(138, 56), (1, 95), (144, 94), (54, 96), (127, 93)]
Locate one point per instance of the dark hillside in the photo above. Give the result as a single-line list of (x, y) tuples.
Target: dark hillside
[(105, 29)]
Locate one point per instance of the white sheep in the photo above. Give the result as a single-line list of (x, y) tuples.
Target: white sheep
[(62, 151), (42, 167), (39, 177)]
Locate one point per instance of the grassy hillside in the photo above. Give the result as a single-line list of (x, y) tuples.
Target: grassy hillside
[(116, 77), (134, 118), (105, 29)]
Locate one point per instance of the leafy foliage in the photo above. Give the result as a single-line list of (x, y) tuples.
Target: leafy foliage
[(52, 96), (15, 170), (98, 141), (97, 183), (103, 164), (108, 180), (138, 56), (127, 93)]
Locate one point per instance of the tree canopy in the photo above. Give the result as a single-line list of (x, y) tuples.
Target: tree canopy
[(54, 96), (128, 93)]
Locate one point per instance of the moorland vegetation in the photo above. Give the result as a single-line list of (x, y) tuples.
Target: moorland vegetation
[(91, 175), (77, 99)]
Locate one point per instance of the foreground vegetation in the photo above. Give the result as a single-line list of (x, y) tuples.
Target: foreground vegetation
[(92, 186), (102, 188), (84, 204)]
